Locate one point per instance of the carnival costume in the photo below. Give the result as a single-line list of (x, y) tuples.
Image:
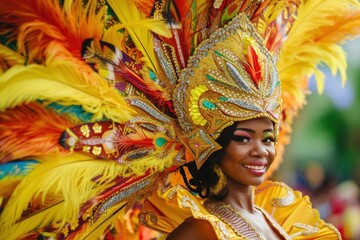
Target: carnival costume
[(102, 100)]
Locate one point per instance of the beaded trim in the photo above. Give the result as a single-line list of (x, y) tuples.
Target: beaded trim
[(308, 229), (238, 223), (334, 229), (233, 218)]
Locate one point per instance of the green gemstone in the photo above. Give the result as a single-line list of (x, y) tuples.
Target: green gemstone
[(208, 104), (218, 53), (210, 77), (223, 99), (160, 141), (152, 75)]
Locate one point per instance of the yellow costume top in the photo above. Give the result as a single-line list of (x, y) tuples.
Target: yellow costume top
[(287, 210)]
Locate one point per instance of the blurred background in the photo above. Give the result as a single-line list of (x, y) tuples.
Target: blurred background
[(323, 158)]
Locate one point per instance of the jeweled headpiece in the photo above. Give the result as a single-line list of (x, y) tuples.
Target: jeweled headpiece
[(231, 77), (101, 99)]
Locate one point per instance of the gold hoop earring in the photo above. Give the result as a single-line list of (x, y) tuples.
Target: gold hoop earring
[(221, 183)]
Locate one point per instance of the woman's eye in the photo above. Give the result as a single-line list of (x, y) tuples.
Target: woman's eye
[(241, 138), (269, 140)]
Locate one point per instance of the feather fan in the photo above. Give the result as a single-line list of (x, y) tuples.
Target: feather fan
[(62, 83)]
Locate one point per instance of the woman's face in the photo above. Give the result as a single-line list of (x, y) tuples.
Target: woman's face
[(250, 152)]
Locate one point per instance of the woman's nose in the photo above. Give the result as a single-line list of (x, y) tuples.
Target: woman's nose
[(259, 149)]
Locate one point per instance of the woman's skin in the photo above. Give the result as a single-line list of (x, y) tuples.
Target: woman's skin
[(245, 162)]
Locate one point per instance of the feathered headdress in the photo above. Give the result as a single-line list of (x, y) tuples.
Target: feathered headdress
[(101, 99)]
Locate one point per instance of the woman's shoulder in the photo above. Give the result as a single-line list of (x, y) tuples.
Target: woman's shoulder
[(177, 208), (293, 211), (193, 228)]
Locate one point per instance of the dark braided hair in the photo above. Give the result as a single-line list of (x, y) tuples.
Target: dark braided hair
[(205, 178)]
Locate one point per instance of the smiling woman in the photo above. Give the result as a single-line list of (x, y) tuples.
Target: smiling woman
[(242, 164), (239, 202), (250, 152)]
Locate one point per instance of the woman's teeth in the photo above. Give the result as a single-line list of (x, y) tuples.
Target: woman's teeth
[(255, 167)]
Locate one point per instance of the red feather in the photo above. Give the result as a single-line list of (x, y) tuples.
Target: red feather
[(252, 65), (30, 130), (179, 17), (136, 140), (114, 64)]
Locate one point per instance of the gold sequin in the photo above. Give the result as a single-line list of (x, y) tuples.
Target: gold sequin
[(96, 150), (86, 149), (97, 128), (85, 130)]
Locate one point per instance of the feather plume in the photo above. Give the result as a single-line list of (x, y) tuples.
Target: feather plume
[(129, 16), (114, 64), (319, 25), (252, 65), (179, 15), (30, 130), (318, 28), (134, 141), (93, 231), (47, 30), (71, 177), (260, 9), (62, 83), (29, 225), (117, 185)]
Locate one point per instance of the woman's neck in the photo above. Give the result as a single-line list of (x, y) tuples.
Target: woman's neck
[(240, 197)]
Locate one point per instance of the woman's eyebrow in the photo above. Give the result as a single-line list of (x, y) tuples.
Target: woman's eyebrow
[(253, 131), (246, 130), (268, 130)]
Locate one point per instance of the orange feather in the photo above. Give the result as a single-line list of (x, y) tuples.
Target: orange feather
[(30, 130), (47, 31)]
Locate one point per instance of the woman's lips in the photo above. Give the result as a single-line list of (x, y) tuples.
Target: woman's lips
[(256, 169)]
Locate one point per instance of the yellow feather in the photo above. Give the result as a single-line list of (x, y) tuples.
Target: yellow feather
[(9, 58), (62, 83), (40, 219), (71, 179), (139, 28), (8, 184), (314, 39), (314, 45), (98, 228), (154, 25)]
